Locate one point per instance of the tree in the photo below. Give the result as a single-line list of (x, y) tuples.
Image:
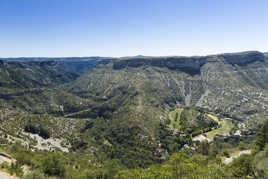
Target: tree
[(53, 164), (40, 130), (30, 127), (204, 147), (177, 161), (43, 132), (242, 167), (262, 136), (34, 175)]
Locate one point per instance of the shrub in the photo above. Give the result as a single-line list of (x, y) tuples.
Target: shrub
[(242, 167), (34, 129), (226, 154), (34, 175), (266, 150), (15, 168), (262, 136), (53, 164)]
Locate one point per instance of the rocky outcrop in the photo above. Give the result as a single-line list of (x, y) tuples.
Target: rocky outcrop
[(48, 63), (190, 65), (185, 64), (243, 58)]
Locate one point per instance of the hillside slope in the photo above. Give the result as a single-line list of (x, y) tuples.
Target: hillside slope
[(118, 108), (233, 84)]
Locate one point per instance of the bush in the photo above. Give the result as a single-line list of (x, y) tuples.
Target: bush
[(226, 154), (204, 148), (15, 168), (242, 167), (262, 136), (29, 127), (266, 150), (4, 165), (34, 129), (53, 164), (34, 175), (43, 132), (242, 146)]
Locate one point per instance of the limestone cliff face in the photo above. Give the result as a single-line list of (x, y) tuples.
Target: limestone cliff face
[(243, 58), (48, 63), (190, 65)]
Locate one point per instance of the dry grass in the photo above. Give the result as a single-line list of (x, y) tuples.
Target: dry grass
[(226, 126)]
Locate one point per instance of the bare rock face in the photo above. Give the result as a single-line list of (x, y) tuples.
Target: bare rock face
[(48, 63), (190, 65), (243, 58)]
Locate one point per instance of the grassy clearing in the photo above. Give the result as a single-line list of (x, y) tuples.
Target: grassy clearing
[(215, 118), (174, 117), (226, 126)]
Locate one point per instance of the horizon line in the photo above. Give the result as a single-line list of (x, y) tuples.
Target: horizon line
[(129, 56)]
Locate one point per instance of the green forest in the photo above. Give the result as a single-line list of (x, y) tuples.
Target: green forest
[(203, 162)]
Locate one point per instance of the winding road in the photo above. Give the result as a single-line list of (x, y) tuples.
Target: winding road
[(5, 176), (4, 158)]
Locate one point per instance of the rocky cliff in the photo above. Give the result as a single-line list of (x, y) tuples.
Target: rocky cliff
[(190, 65)]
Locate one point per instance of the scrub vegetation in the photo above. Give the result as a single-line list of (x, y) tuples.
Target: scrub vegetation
[(135, 117)]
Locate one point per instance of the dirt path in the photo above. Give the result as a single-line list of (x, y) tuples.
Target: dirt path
[(6, 158), (213, 117), (4, 175), (236, 155), (201, 138)]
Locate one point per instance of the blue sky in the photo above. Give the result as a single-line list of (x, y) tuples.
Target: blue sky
[(131, 27)]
